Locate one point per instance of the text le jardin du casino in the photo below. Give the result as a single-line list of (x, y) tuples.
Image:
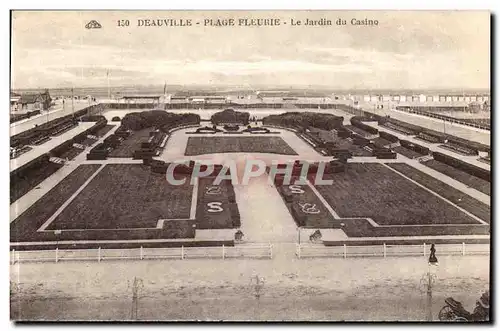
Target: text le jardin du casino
[(245, 22)]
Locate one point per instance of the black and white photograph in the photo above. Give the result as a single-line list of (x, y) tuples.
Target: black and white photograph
[(250, 165)]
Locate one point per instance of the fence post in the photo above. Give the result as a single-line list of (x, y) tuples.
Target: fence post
[(385, 250), (463, 248), (270, 250), (18, 258), (99, 254), (424, 250), (142, 254), (182, 252), (345, 251), (298, 251), (57, 254), (13, 257), (223, 251)]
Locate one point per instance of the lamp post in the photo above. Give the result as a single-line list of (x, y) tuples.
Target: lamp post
[(427, 281)]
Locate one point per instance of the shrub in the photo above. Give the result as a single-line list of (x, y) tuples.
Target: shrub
[(230, 116), (304, 120), (159, 119), (116, 119), (464, 166)]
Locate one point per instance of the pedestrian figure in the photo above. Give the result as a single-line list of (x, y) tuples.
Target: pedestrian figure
[(238, 236), (432, 258)]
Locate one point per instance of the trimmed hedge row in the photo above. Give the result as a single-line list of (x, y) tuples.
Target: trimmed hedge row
[(230, 116), (99, 152), (208, 129), (158, 119), (388, 136), (460, 148), (65, 146), (19, 117), (464, 166), (360, 141), (305, 120), (356, 121), (387, 154), (47, 129), (340, 153), (415, 129), (415, 147), (25, 178), (257, 130), (343, 132)]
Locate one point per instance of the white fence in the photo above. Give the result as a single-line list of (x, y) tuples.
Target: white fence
[(344, 251), (262, 251)]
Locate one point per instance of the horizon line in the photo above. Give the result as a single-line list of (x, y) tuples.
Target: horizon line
[(257, 86)]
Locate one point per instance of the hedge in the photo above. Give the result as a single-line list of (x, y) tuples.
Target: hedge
[(462, 165), (388, 136), (157, 118), (355, 121), (230, 116), (46, 129), (386, 155), (305, 120), (360, 141), (415, 147)]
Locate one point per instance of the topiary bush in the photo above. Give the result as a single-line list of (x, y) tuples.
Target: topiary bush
[(159, 119)]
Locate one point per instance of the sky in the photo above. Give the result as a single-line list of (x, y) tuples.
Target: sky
[(406, 50)]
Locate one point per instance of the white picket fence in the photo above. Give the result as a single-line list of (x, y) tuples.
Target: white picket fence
[(258, 251), (311, 250)]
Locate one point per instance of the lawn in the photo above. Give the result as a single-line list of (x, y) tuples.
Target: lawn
[(210, 145), (124, 196), (360, 227), (459, 198), (373, 190), (24, 227), (476, 183)]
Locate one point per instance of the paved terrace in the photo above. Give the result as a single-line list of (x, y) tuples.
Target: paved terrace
[(58, 111), (47, 146), (458, 130)]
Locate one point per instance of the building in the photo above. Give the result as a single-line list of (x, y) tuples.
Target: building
[(208, 99), (14, 101), (36, 101), (153, 99)]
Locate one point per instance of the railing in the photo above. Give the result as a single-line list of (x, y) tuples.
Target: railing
[(258, 251), (344, 251), (447, 118)]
